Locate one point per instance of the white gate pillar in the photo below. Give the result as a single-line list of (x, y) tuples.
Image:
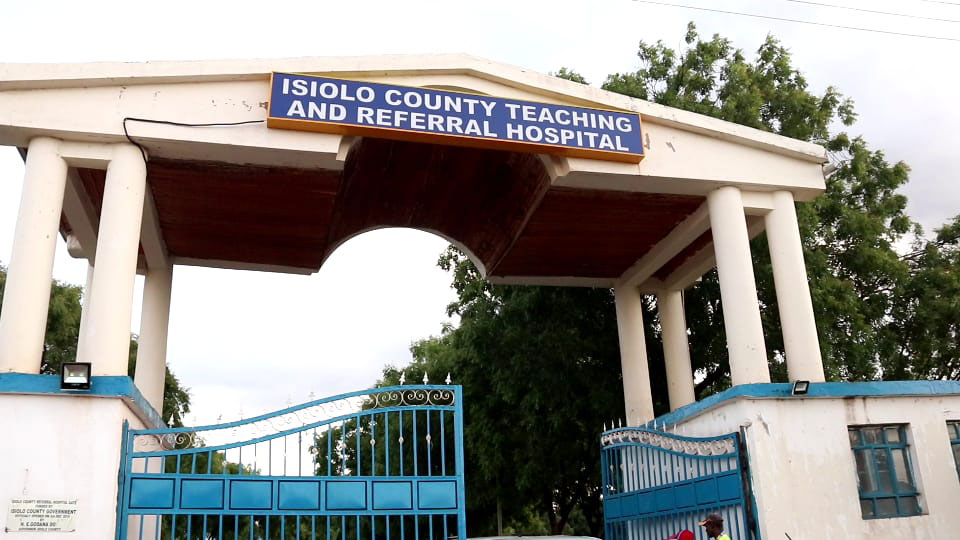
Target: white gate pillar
[(152, 348), (85, 307), (800, 342), (738, 290), (26, 298), (676, 348), (105, 341), (637, 398)]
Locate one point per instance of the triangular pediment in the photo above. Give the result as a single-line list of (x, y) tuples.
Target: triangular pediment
[(557, 218)]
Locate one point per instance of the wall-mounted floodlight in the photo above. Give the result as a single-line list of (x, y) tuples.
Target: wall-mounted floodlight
[(800, 387), (75, 376)]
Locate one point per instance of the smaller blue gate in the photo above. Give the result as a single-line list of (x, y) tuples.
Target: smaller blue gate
[(382, 463), (656, 484)]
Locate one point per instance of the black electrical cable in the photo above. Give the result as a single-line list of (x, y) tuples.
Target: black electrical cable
[(890, 13), (770, 17), (143, 152)]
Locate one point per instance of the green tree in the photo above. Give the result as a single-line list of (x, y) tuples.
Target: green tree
[(570, 75), (540, 371), (849, 234), (540, 365), (60, 345), (926, 317)]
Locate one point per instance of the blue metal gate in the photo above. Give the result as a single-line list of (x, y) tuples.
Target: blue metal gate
[(382, 463), (656, 484)]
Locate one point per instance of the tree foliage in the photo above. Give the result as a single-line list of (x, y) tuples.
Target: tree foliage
[(60, 345), (858, 279), (711, 77), (927, 337), (540, 365)]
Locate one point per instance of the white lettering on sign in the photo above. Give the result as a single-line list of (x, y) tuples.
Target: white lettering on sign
[(314, 103), (42, 515)]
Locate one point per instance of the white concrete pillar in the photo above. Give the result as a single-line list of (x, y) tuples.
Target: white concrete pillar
[(800, 342), (105, 341), (633, 356), (26, 298), (152, 348), (676, 348), (738, 290), (87, 295)]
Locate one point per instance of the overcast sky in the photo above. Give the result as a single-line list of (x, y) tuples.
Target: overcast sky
[(249, 341)]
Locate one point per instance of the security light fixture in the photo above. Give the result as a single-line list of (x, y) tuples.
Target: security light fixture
[(800, 387), (75, 376)]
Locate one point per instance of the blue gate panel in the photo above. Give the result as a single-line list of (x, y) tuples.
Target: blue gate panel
[(251, 494), (729, 487), (646, 503), (630, 505), (346, 495), (201, 494), (357, 462), (665, 499), (437, 495), (298, 495), (612, 508), (684, 496), (656, 483), (151, 493), (393, 496), (707, 491)]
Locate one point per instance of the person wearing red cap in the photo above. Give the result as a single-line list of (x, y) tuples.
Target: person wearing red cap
[(713, 524), (682, 535)]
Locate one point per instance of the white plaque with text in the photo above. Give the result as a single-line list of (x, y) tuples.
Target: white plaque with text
[(42, 515)]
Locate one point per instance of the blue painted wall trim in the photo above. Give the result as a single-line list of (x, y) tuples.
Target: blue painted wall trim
[(817, 390), (103, 386)]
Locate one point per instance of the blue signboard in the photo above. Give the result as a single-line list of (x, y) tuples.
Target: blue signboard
[(306, 102)]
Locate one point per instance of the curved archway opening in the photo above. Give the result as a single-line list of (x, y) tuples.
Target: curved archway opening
[(334, 247), (330, 332), (479, 200)]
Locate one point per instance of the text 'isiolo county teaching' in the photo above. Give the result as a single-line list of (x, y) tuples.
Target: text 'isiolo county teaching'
[(305, 102)]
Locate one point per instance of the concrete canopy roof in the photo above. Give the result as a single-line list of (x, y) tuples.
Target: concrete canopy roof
[(48, 76), (649, 214)]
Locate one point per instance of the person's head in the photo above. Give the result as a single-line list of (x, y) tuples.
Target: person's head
[(682, 535), (713, 524)]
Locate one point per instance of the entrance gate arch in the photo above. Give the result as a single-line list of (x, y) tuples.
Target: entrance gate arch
[(380, 463), (120, 163)]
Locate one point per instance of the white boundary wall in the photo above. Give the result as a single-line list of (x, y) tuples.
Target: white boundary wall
[(803, 470), (63, 447)]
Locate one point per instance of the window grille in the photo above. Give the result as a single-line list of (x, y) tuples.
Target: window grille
[(884, 474), (953, 427)]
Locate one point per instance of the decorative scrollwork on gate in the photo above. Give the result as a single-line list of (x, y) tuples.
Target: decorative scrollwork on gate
[(296, 417), (666, 441), (164, 441), (412, 398)]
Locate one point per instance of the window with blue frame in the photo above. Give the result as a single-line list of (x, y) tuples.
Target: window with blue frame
[(884, 475), (953, 427)]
